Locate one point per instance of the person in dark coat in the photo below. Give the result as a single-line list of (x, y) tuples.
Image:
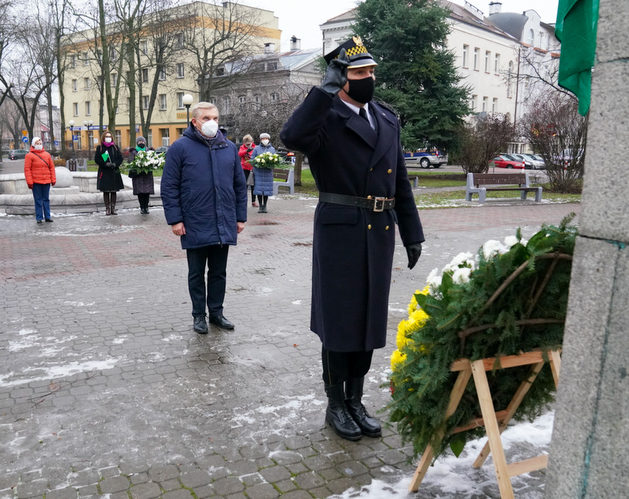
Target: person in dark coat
[(353, 147), (262, 177), (143, 183), (204, 195), (109, 181)]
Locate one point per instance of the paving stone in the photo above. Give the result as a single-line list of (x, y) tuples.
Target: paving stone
[(261, 491), (178, 494), (114, 484), (195, 479), (145, 490), (275, 473), (160, 473), (229, 485), (67, 493)]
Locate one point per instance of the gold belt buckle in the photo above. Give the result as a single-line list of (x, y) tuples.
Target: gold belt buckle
[(378, 204)]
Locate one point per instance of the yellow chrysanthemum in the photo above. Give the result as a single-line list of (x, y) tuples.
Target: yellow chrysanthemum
[(397, 358)]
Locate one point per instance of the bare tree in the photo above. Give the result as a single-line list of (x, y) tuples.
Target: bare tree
[(481, 140), (219, 34), (558, 133)]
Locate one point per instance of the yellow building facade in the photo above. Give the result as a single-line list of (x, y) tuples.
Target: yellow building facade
[(178, 78)]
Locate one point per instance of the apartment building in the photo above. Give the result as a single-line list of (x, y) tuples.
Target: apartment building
[(179, 77)]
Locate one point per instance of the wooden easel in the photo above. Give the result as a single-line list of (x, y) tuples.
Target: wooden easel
[(494, 422)]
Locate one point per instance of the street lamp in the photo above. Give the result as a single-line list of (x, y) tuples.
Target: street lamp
[(88, 126), (187, 101), (72, 162)]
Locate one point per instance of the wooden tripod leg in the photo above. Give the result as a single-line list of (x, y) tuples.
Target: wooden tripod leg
[(491, 426), (455, 397), (555, 365), (510, 411)]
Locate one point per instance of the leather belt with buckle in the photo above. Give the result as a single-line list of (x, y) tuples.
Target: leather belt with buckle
[(373, 203)]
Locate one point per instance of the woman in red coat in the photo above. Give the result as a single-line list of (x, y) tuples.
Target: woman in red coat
[(245, 155), (39, 171)]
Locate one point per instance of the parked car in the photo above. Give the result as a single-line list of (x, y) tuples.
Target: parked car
[(529, 163), (507, 161), (425, 159), (536, 161), (162, 149), (17, 153)]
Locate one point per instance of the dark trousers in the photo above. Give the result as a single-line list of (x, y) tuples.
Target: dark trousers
[(42, 202), (342, 366), (143, 199), (215, 258), (247, 173)]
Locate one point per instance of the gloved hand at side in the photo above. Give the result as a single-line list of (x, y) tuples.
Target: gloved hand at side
[(336, 75), (413, 251)]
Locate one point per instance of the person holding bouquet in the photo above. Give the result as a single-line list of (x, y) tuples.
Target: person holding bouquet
[(109, 181), (143, 185), (245, 155), (262, 174)]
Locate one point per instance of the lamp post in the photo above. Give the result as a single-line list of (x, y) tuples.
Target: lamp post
[(88, 126), (187, 101), (72, 162)]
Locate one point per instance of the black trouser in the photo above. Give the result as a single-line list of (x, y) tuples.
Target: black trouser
[(262, 200), (247, 173), (215, 257), (342, 366), (143, 199)]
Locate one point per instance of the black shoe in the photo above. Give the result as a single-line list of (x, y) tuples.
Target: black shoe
[(220, 321), (263, 209), (40, 221), (354, 392), (337, 416), (200, 325), (49, 220)]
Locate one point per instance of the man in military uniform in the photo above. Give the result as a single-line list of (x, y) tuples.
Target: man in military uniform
[(354, 152)]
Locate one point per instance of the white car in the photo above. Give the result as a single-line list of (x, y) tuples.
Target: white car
[(535, 161)]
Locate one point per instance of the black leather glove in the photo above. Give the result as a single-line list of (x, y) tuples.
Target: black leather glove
[(336, 75), (413, 251)]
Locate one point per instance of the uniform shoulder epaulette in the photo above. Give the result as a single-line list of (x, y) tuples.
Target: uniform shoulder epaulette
[(388, 107)]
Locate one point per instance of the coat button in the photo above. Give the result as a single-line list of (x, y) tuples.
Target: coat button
[(371, 169), (389, 171), (386, 228), (369, 226), (368, 197)]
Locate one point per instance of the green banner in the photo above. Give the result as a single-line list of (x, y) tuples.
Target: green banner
[(105, 156), (577, 21)]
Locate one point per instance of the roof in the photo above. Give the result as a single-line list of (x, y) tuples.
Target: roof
[(296, 59), (461, 14), (510, 22), (345, 16)]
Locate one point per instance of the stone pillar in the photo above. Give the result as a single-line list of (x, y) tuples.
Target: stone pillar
[(590, 443)]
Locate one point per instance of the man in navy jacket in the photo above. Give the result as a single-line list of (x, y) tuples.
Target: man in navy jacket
[(354, 152), (204, 194)]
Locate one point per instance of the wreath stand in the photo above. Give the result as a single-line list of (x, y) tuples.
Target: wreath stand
[(494, 422)]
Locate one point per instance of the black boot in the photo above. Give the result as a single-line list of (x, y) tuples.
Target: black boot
[(113, 203), (107, 204), (354, 392), (336, 414)]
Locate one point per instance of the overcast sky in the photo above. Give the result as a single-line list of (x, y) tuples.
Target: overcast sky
[(303, 17)]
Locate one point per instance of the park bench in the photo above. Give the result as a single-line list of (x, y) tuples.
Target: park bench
[(285, 178), (480, 183), (77, 164)]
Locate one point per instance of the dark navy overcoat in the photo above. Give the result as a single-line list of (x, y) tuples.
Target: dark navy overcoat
[(353, 247), (203, 186)]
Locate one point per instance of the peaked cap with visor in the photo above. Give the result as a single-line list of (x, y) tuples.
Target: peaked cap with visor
[(356, 52)]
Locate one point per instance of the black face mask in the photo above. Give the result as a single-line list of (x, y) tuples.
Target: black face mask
[(361, 90)]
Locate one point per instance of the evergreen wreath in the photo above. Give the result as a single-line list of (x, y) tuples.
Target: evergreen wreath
[(508, 299)]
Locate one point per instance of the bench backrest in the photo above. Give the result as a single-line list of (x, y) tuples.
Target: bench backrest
[(498, 179), (281, 174)]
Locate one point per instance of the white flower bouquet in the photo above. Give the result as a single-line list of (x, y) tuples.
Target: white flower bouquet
[(147, 161)]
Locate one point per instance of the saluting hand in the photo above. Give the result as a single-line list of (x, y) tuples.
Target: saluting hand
[(336, 75)]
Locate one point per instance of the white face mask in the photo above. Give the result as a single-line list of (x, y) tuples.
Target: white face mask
[(209, 128), (38, 147), (265, 142)]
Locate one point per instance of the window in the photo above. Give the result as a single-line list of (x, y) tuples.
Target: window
[(75, 109), (86, 83), (75, 86), (88, 108), (179, 41), (162, 74), (466, 55), (112, 53), (165, 133), (257, 99), (144, 47), (73, 61), (149, 138), (275, 97), (145, 102), (541, 39), (485, 102), (118, 137), (162, 103), (114, 79), (242, 99), (180, 100), (145, 76), (509, 76), (180, 70), (227, 104), (497, 63), (271, 66), (531, 39), (476, 57), (86, 59), (494, 105), (487, 59), (473, 102), (220, 71)]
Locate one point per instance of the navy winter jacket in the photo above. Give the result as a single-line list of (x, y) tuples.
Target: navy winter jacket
[(203, 186)]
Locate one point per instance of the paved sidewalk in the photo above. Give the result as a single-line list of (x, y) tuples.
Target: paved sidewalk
[(105, 390)]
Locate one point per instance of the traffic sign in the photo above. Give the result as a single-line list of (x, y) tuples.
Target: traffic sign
[(25, 140)]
